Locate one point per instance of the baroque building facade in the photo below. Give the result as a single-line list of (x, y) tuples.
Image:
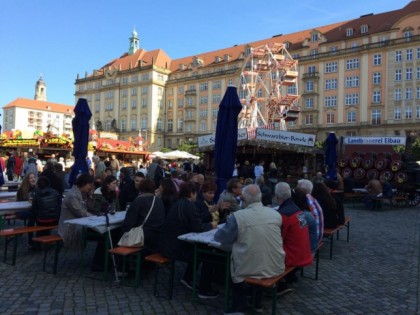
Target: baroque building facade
[(358, 77)]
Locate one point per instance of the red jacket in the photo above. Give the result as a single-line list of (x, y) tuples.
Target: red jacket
[(295, 234), (18, 165)]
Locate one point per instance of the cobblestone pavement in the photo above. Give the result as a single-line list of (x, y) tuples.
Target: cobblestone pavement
[(377, 272)]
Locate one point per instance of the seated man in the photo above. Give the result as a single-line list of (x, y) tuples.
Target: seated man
[(130, 191), (294, 232), (374, 188), (255, 232), (228, 199)]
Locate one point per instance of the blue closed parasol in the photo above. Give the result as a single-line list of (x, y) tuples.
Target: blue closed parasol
[(331, 156), (80, 125), (226, 138)]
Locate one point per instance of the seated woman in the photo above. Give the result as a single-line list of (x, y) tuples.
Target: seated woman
[(184, 218), (46, 205), (75, 205), (105, 198), (327, 202), (167, 192), (105, 201), (26, 192), (206, 207), (138, 211)]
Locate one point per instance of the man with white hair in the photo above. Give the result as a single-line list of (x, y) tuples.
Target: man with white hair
[(257, 245), (306, 186)]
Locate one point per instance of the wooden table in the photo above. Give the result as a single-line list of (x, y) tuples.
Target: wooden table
[(222, 250)]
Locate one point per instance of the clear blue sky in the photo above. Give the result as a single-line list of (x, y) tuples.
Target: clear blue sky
[(61, 38)]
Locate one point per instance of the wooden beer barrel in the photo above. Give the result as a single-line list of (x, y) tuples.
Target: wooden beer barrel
[(396, 156), (401, 177), (347, 171), (367, 164), (372, 173), (396, 165), (387, 174), (359, 173), (355, 162), (343, 161), (381, 164)]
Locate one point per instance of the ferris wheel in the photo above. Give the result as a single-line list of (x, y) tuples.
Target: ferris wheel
[(269, 77)]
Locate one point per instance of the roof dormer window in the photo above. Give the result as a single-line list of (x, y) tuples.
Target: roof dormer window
[(364, 29), (287, 45), (314, 37), (247, 51), (349, 32)]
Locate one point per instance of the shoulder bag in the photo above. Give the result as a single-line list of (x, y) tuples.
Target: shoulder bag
[(135, 237)]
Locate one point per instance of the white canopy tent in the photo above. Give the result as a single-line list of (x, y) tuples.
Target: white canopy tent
[(175, 155)]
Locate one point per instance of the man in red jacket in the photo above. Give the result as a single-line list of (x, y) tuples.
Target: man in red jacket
[(294, 231)]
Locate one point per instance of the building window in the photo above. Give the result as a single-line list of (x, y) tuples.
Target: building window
[(204, 100), (144, 123), (133, 103), (133, 124), (398, 75), (133, 91), (397, 95), (351, 117), (203, 113), (97, 96), (352, 99), (398, 56), (180, 124), (418, 73), (260, 93), (408, 113), (123, 125), (330, 118), (376, 116), (409, 74), (145, 77), (125, 80), (189, 114), (309, 119), (418, 92), (409, 93), (309, 102), (314, 52), (189, 101), (349, 32), (314, 37), (408, 35), (376, 97), (330, 101), (204, 86), (180, 89), (364, 29), (418, 112), (216, 98), (409, 54), (97, 108), (352, 64), (331, 84), (331, 67), (159, 124), (377, 59), (352, 81), (180, 103), (124, 104), (170, 104), (124, 93), (397, 113), (214, 112), (160, 91), (203, 126), (144, 102), (376, 78), (311, 69), (217, 85), (109, 106), (135, 78), (170, 125), (144, 89), (309, 86)]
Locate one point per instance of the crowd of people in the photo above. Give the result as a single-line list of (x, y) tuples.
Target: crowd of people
[(264, 217)]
